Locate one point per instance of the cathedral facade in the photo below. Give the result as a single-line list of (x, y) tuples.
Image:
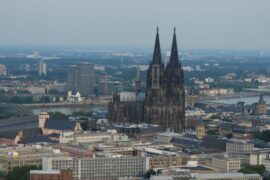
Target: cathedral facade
[(164, 101)]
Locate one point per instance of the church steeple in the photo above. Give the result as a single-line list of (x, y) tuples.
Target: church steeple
[(174, 58), (157, 52)]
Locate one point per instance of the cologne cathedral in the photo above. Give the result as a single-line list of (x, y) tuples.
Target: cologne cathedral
[(163, 103)]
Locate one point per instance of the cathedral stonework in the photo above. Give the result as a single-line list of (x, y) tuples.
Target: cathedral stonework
[(164, 102)]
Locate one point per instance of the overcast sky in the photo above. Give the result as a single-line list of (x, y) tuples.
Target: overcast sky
[(201, 24)]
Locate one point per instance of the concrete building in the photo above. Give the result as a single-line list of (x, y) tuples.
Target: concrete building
[(224, 164), (28, 155), (85, 137), (42, 68), (97, 168), (3, 70), (81, 77), (234, 148), (77, 151), (50, 175)]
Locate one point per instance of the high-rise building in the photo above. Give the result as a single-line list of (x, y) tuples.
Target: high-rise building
[(3, 70), (81, 77), (164, 102), (42, 68)]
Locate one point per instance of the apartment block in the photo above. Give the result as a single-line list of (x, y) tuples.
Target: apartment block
[(234, 148), (97, 168)]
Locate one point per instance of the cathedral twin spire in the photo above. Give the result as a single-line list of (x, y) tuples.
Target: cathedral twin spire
[(157, 52), (174, 58)]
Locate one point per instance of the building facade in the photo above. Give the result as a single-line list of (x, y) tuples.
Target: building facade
[(163, 161), (50, 175), (164, 102), (11, 157), (42, 68), (225, 164), (97, 168), (235, 148)]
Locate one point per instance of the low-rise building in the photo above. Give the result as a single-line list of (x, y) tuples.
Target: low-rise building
[(226, 176), (25, 155), (85, 137), (56, 126), (224, 164), (163, 161), (74, 96), (50, 175)]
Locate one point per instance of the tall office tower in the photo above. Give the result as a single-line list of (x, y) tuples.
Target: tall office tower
[(81, 77), (3, 70), (165, 93), (42, 68)]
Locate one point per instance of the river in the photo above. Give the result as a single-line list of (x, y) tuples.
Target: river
[(247, 100), (70, 110)]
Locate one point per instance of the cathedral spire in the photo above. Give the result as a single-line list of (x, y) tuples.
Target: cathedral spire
[(157, 51), (174, 58)]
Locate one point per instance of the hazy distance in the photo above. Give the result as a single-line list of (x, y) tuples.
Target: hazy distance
[(201, 24)]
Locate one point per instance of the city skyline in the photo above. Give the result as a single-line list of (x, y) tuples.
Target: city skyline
[(200, 25)]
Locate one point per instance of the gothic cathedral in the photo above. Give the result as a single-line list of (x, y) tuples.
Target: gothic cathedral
[(164, 101)]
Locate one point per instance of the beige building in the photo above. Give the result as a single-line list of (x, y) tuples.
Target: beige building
[(163, 161), (224, 164), (261, 106), (200, 131)]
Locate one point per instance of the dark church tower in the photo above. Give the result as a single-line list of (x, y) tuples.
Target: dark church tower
[(175, 90), (165, 94), (155, 94)]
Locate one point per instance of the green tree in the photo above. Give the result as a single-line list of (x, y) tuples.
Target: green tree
[(23, 92), (82, 113), (22, 99), (149, 173), (265, 135), (229, 135), (53, 91), (2, 91), (20, 173), (58, 115), (259, 169), (44, 99), (214, 116), (212, 132)]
